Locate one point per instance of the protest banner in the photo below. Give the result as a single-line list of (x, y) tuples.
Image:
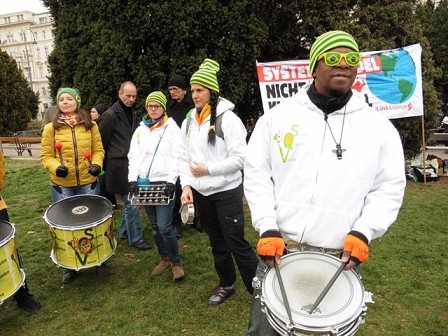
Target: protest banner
[(389, 80)]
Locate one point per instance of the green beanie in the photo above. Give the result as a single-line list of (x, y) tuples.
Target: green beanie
[(206, 75), (72, 92), (156, 96), (330, 40)]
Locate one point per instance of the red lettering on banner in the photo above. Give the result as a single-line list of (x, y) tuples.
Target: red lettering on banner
[(297, 72), (369, 64), (283, 73)]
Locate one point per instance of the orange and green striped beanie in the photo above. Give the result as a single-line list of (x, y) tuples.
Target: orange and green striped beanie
[(330, 40), (206, 75)]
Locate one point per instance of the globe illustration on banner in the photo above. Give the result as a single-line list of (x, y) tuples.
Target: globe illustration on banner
[(397, 82)]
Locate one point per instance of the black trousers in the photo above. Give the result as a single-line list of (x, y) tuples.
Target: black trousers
[(104, 192), (177, 220), (23, 290), (222, 219)]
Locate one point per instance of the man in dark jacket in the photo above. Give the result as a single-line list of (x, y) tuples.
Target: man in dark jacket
[(179, 104), (117, 125)]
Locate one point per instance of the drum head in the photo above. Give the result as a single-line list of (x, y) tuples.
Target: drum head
[(78, 211), (305, 275), (6, 231)]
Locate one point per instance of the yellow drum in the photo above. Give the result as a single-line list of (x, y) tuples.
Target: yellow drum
[(81, 231), (11, 275)]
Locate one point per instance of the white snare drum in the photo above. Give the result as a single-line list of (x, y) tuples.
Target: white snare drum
[(11, 275), (81, 231), (151, 194), (305, 275), (187, 213)]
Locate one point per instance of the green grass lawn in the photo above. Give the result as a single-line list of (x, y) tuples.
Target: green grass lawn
[(407, 273)]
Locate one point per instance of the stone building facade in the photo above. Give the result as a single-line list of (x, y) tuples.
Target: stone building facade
[(28, 38)]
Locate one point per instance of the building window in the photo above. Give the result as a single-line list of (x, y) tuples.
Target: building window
[(44, 91), (41, 70), (10, 38), (44, 34), (7, 19), (22, 37), (38, 52), (46, 51), (42, 20)]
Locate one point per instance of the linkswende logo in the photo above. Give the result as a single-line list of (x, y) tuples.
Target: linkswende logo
[(285, 141)]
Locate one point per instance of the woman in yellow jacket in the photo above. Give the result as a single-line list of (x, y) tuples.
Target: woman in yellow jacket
[(73, 154), (72, 150)]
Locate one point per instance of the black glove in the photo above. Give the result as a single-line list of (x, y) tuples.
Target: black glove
[(133, 187), (94, 170), (169, 190), (62, 171)]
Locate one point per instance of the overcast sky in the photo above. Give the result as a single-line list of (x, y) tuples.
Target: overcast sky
[(12, 6)]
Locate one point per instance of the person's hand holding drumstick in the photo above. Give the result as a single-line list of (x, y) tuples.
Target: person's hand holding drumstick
[(271, 246), (62, 170), (356, 249)]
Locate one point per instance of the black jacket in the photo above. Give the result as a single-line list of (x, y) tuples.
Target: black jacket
[(116, 134), (178, 111)]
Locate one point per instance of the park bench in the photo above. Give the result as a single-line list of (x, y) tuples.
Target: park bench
[(20, 144)]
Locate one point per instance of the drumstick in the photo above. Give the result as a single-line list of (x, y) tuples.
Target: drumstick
[(327, 287), (282, 289), (58, 147), (88, 156)]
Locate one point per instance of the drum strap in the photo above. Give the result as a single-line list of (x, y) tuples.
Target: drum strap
[(293, 246)]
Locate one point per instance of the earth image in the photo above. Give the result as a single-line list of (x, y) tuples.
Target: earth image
[(397, 82)]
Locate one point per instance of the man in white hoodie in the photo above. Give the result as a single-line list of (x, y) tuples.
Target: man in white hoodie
[(322, 169)]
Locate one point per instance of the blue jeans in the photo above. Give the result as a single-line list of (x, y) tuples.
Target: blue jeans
[(258, 323), (131, 225), (58, 192), (161, 217)]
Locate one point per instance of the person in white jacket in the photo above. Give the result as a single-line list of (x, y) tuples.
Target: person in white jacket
[(152, 157), (323, 170), (210, 174)]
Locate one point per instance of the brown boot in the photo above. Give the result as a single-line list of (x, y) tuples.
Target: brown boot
[(178, 271), (162, 266)]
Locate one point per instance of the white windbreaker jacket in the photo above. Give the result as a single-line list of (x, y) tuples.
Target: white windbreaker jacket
[(143, 150), (294, 182), (225, 160)]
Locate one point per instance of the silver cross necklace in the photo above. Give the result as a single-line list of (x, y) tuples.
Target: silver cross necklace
[(339, 150)]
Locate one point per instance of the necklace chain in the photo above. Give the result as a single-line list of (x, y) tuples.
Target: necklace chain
[(339, 148)]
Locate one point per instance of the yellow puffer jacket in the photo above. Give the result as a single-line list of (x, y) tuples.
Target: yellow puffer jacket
[(75, 142), (2, 179)]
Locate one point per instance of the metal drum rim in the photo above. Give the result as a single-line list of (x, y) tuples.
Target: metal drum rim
[(348, 323), (10, 236)]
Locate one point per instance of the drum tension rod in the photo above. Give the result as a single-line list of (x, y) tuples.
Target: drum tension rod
[(327, 287), (285, 299)]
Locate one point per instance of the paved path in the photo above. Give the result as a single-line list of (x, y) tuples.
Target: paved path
[(11, 153)]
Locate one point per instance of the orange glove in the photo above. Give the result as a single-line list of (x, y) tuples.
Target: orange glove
[(357, 244), (270, 244)]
